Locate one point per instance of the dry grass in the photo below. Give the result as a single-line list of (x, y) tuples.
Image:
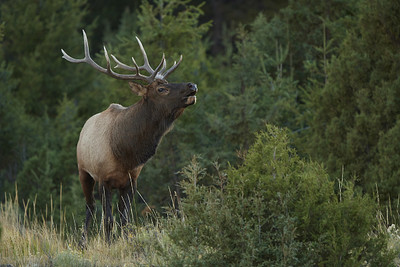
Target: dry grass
[(27, 241)]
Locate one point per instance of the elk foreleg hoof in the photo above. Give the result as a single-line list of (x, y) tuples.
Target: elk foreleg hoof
[(128, 231), (83, 242)]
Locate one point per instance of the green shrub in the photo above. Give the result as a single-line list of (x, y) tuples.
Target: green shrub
[(274, 210)]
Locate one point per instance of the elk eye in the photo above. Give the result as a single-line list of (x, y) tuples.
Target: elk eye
[(161, 90)]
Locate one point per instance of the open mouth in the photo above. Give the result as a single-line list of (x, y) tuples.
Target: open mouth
[(192, 93), (190, 99)]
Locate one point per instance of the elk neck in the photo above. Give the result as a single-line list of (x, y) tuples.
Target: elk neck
[(155, 120), (138, 131)]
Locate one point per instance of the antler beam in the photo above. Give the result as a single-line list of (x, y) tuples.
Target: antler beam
[(159, 73)]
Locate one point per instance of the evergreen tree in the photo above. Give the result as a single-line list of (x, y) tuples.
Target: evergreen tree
[(38, 141), (53, 167), (355, 113), (265, 79), (13, 125), (34, 34), (298, 29), (13, 128), (258, 88)]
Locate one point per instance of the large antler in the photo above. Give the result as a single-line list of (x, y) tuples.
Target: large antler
[(159, 73)]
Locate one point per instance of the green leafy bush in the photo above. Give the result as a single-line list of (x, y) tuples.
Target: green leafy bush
[(274, 210)]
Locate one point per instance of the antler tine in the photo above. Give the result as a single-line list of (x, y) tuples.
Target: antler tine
[(134, 61), (109, 70), (136, 65), (85, 44), (146, 64), (122, 65), (172, 69), (108, 62), (162, 63), (111, 73), (87, 59)]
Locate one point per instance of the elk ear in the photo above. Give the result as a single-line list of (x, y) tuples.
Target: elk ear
[(138, 89)]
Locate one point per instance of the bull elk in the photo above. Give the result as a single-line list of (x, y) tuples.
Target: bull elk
[(114, 144)]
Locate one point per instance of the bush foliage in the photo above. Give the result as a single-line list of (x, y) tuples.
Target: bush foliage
[(275, 209)]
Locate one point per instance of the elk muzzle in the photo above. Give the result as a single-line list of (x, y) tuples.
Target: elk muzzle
[(190, 98)]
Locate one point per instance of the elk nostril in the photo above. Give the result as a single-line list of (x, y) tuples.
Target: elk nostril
[(192, 86)]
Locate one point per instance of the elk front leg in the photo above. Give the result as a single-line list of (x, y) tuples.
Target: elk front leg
[(108, 221), (126, 195), (87, 183), (124, 204)]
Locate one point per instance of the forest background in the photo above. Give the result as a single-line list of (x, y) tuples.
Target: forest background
[(326, 71)]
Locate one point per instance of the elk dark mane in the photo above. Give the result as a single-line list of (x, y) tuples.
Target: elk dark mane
[(137, 132)]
